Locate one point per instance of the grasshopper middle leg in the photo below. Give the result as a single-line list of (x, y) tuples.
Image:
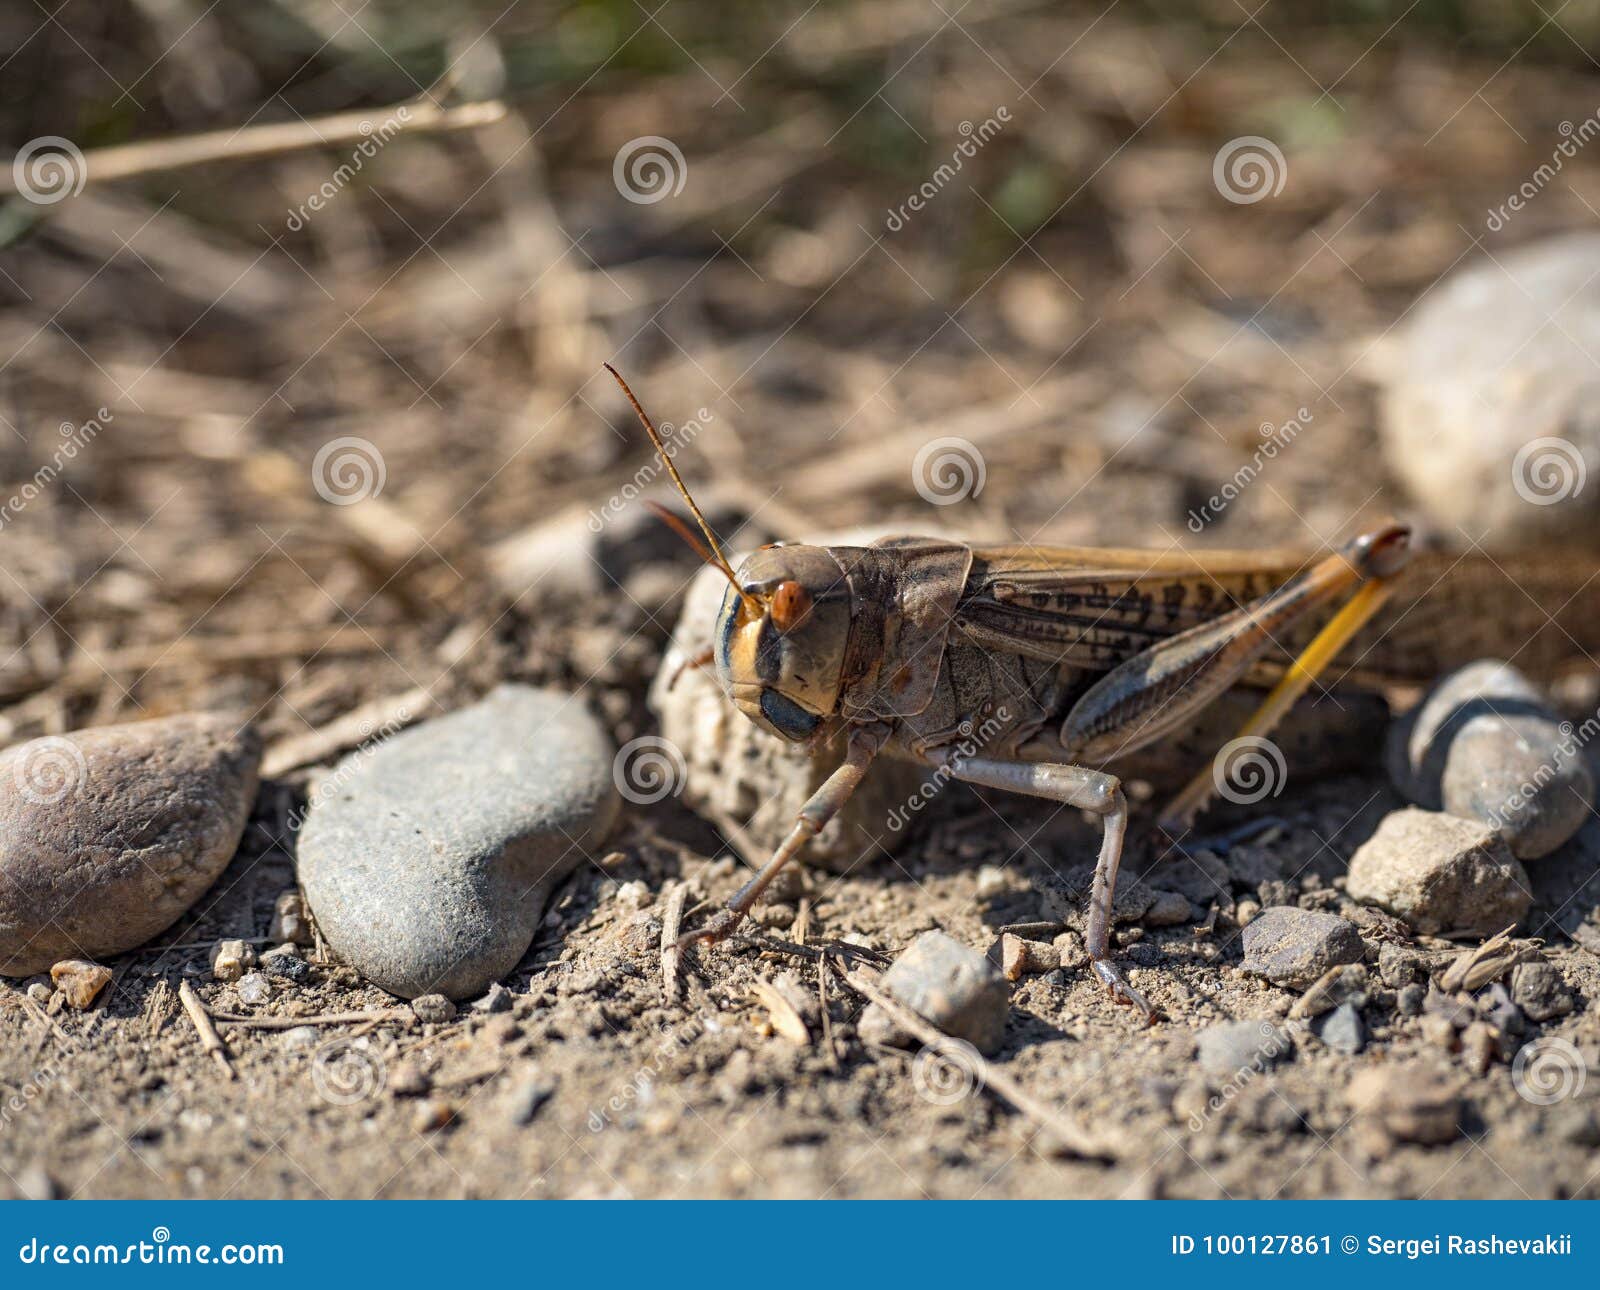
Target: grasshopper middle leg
[(1093, 791)]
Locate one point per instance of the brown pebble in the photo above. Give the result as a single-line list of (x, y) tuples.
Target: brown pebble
[(1019, 958), (432, 1115), (79, 982), (409, 1080), (1480, 1042), (1403, 1104)]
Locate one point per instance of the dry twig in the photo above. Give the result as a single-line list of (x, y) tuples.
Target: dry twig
[(1070, 1136), (209, 1039)]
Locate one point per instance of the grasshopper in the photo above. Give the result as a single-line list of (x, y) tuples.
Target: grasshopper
[(1072, 659)]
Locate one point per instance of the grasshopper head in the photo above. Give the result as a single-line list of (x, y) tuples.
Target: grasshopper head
[(781, 635)]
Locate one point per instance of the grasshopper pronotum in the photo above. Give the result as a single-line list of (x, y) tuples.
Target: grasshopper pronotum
[(1089, 655)]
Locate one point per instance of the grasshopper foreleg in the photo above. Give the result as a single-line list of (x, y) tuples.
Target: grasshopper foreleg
[(1093, 791), (823, 805)]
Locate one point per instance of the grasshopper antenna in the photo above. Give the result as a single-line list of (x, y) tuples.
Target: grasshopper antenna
[(714, 556)]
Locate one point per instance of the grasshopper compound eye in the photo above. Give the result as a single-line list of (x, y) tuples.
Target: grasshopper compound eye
[(790, 604)]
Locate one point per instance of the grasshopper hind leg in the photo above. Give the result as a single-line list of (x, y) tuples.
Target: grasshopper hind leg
[(1093, 791)]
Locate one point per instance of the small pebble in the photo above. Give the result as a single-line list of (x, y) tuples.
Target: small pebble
[(1440, 873), (1293, 947), (1399, 967), (954, 987), (633, 896), (1071, 950), (39, 992), (254, 988), (1230, 1048), (34, 1183), (1480, 1045), (1484, 745), (230, 959), (1403, 1103), (433, 1009), (290, 922), (991, 883), (79, 981), (498, 999), (289, 966), (432, 1114), (1439, 1030), (1168, 909), (1408, 999), (1342, 1030), (301, 1036), (409, 1079), (1540, 991), (1245, 911), (1340, 985), (1019, 958), (527, 1097)]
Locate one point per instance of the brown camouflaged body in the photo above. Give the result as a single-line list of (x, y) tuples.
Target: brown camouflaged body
[(1033, 628)]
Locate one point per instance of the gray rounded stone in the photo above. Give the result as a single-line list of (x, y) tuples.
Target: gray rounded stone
[(428, 860), (1484, 745), (1491, 399), (953, 986), (109, 835)]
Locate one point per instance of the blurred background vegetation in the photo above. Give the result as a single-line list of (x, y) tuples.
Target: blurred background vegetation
[(1080, 299)]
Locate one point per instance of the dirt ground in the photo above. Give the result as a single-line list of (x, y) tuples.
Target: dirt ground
[(1079, 300)]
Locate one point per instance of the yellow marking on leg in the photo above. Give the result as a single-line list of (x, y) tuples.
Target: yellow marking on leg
[(1313, 660)]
